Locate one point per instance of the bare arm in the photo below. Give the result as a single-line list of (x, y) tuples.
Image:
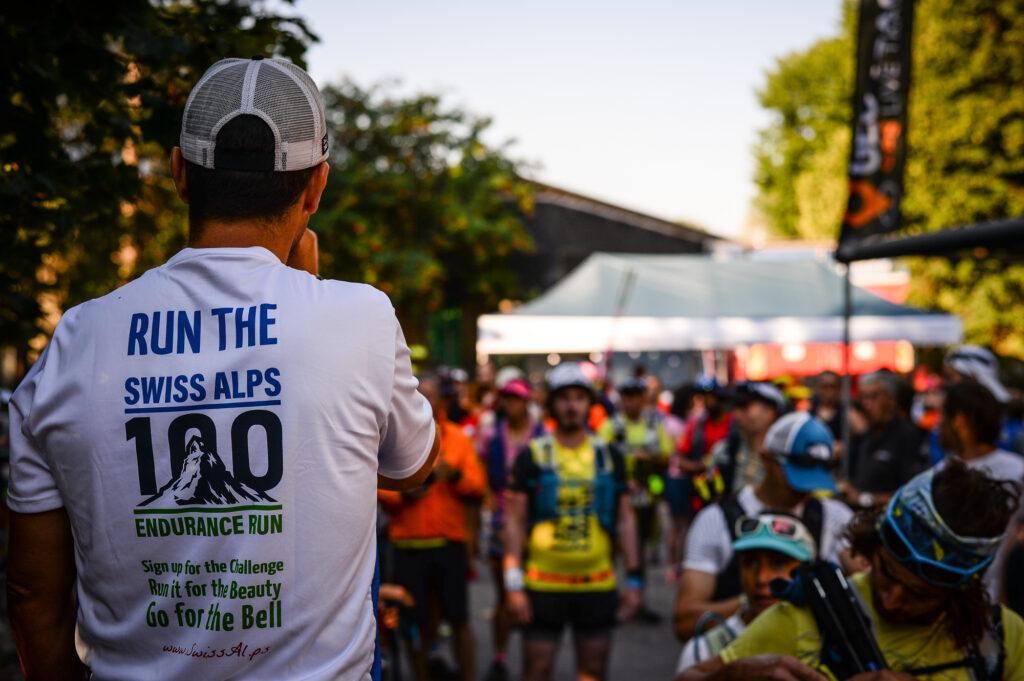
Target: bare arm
[(515, 528), (417, 478), (627, 533), (757, 668), (518, 604), (694, 599), (40, 595)]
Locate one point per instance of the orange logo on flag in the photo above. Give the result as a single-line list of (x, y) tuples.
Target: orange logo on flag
[(872, 203)]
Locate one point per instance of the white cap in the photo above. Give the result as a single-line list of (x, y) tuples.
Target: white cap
[(981, 365), (566, 375), (274, 90)]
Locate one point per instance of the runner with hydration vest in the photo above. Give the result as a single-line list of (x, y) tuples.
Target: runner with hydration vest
[(564, 509)]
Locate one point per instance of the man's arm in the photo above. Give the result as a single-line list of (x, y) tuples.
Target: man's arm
[(417, 478), (632, 597), (515, 527), (516, 504), (694, 599), (626, 529), (40, 595), (758, 668)]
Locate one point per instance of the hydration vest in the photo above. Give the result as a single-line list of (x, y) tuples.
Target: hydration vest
[(545, 503)]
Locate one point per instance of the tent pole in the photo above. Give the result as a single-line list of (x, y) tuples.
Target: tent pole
[(846, 385), (625, 289)]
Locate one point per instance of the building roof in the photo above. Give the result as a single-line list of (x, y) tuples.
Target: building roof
[(549, 194)]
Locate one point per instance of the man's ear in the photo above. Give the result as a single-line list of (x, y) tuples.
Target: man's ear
[(178, 173), (315, 189), (961, 426)]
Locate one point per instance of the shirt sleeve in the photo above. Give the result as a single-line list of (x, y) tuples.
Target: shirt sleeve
[(32, 487), (409, 430), (773, 631), (837, 517), (1013, 637), (707, 543)]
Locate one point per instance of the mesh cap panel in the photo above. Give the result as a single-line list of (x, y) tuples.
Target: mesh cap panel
[(285, 104), (280, 93)]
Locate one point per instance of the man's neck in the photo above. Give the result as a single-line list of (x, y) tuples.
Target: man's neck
[(570, 439), (275, 238), (777, 496), (975, 450), (518, 423), (634, 417)]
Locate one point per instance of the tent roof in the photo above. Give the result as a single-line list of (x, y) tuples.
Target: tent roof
[(699, 302), (701, 286)]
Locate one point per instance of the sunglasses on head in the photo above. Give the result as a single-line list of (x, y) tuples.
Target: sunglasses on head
[(783, 527)]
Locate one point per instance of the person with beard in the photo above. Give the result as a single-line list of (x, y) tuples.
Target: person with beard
[(924, 594), (796, 455), (566, 506)]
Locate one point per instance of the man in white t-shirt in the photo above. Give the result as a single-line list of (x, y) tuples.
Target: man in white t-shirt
[(970, 427), (196, 455), (797, 459)]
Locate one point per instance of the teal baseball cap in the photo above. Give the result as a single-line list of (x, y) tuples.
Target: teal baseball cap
[(778, 532)]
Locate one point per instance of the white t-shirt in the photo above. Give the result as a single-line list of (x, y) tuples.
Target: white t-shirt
[(278, 397), (1000, 465), (703, 647), (708, 543)]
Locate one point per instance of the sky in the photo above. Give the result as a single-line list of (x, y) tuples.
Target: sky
[(646, 104)]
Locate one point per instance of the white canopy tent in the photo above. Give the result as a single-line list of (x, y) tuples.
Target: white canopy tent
[(636, 303)]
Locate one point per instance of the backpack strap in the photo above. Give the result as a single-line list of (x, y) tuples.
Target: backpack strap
[(602, 456), (813, 518), (544, 451), (619, 430), (698, 443), (733, 511)]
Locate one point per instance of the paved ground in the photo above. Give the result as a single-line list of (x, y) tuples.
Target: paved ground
[(639, 653)]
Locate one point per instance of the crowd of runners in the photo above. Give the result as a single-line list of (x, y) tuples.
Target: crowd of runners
[(195, 499), (566, 488)]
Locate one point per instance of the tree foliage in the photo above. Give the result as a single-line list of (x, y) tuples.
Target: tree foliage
[(965, 159), (418, 205), (91, 102)]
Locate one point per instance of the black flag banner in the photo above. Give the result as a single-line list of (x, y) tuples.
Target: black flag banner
[(880, 119)]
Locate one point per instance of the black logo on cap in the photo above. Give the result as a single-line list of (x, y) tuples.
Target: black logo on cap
[(323, 144)]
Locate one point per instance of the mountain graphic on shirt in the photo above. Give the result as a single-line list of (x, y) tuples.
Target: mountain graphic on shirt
[(203, 479)]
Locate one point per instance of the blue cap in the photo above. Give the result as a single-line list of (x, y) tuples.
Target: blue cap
[(803, 445)]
